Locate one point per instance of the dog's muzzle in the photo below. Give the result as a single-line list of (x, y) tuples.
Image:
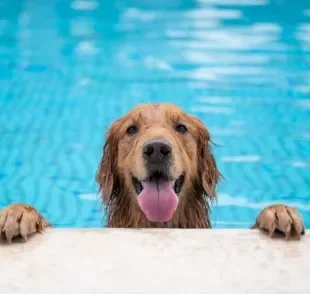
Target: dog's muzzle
[(158, 191)]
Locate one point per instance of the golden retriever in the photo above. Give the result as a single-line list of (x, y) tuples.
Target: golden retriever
[(157, 171)]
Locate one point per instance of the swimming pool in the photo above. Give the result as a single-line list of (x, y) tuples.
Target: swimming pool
[(69, 68)]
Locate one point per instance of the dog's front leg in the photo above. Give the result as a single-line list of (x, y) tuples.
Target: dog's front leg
[(20, 220), (283, 218)]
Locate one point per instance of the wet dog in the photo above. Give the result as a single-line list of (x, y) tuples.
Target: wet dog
[(157, 170)]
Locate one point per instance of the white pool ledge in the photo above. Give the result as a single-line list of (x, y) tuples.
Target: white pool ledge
[(155, 261)]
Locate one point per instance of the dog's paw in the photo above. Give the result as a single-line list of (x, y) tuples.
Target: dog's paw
[(283, 218), (20, 220)]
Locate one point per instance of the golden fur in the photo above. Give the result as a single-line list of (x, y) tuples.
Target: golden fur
[(122, 157)]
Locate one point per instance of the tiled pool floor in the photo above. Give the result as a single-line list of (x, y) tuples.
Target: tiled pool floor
[(69, 68)]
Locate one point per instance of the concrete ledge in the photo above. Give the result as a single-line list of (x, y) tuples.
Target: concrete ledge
[(155, 261)]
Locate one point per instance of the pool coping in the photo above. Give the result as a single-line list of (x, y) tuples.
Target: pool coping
[(155, 261)]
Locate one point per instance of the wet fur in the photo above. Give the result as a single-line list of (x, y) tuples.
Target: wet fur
[(122, 208)]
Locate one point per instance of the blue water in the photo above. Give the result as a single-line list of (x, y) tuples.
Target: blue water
[(69, 68)]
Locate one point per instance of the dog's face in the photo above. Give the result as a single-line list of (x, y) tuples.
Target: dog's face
[(157, 155)]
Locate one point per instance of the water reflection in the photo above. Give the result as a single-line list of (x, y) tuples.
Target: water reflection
[(69, 68)]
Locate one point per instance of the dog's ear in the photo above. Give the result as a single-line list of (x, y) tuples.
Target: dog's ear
[(107, 175), (208, 172)]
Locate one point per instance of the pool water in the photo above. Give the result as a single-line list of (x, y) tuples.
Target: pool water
[(68, 69)]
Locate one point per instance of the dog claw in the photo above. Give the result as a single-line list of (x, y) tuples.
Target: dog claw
[(20, 220), (281, 218)]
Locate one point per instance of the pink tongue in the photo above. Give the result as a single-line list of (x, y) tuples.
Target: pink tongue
[(158, 200)]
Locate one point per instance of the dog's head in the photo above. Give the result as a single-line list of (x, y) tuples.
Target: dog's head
[(158, 155)]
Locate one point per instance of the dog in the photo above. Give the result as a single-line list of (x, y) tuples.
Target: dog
[(157, 171)]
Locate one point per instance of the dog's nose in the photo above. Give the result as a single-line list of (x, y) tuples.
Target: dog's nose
[(157, 150)]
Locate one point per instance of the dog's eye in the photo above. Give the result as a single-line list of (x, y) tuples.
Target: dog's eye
[(132, 130), (181, 128)]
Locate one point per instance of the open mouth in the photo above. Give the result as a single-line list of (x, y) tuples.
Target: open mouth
[(158, 196), (157, 177)]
